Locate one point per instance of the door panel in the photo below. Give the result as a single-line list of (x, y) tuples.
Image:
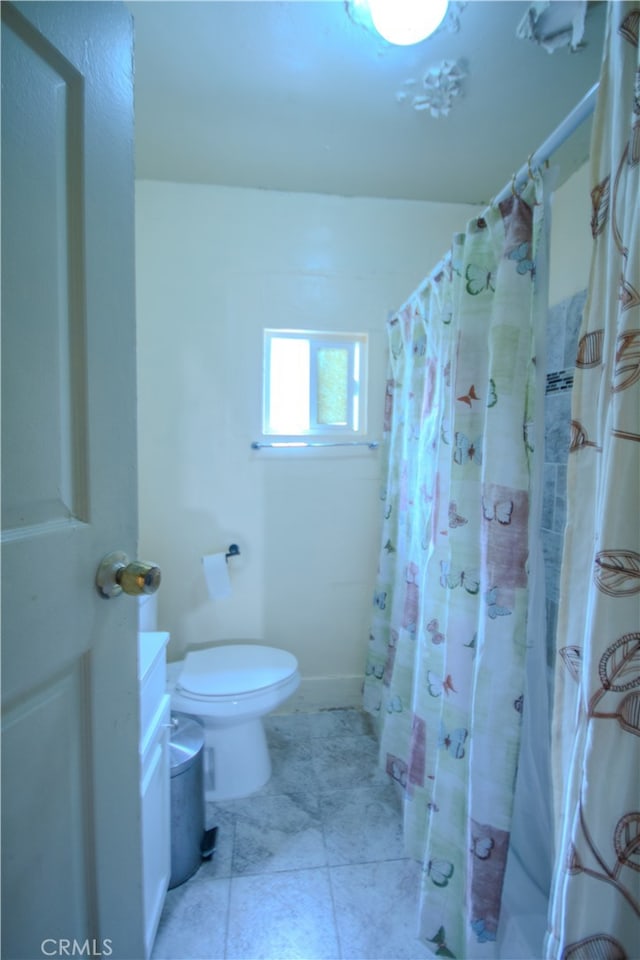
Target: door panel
[(44, 214), (71, 843), (49, 722)]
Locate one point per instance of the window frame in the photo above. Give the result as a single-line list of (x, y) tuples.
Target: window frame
[(357, 345)]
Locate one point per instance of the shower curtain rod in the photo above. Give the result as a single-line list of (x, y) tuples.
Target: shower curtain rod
[(560, 135)]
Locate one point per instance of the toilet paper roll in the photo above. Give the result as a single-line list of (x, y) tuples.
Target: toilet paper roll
[(216, 575)]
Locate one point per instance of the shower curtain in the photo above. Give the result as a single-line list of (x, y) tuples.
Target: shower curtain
[(445, 673), (596, 900)]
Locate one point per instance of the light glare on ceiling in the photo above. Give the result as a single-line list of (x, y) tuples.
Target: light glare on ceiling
[(404, 22)]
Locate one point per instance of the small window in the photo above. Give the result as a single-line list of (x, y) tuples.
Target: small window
[(314, 383)]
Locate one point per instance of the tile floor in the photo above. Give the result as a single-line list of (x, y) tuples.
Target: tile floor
[(311, 867)]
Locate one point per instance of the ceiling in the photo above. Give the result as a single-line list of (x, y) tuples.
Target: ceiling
[(299, 96)]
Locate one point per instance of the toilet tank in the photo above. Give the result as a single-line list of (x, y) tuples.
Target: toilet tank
[(148, 612)]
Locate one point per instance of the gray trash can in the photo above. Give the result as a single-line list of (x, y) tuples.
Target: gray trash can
[(187, 797)]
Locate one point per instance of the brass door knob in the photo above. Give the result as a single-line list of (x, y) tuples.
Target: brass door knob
[(116, 575)]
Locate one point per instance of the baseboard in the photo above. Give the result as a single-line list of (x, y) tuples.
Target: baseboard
[(325, 693), (313, 694)]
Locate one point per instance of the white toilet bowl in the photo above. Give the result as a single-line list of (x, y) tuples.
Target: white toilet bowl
[(230, 688)]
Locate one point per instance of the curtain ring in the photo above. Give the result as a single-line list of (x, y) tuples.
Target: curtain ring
[(530, 171), (514, 192)]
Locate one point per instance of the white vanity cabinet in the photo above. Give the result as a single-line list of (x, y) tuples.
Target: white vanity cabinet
[(155, 783)]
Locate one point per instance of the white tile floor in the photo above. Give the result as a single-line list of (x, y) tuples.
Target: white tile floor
[(311, 867)]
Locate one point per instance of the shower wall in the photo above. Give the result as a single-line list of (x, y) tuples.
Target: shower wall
[(563, 325), (569, 264)]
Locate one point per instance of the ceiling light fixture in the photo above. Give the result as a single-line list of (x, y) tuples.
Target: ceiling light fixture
[(403, 22)]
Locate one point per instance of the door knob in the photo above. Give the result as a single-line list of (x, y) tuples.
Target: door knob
[(116, 575)]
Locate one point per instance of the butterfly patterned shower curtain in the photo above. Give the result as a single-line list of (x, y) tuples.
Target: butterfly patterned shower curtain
[(596, 901), (445, 672)]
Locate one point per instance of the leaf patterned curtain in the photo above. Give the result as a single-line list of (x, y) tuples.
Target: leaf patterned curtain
[(445, 673), (595, 908)]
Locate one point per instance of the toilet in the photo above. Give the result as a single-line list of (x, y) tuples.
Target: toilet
[(229, 688)]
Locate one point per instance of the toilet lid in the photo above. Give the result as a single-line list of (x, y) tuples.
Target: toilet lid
[(228, 670)]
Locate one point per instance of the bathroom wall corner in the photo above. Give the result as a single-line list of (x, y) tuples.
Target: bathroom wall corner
[(325, 693)]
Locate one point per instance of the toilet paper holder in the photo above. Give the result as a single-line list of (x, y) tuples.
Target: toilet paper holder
[(233, 551)]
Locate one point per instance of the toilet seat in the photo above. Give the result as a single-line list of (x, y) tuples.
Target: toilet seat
[(232, 671)]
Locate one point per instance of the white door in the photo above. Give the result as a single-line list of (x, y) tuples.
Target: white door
[(71, 849)]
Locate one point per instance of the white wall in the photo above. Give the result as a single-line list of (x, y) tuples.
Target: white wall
[(214, 267), (571, 240)]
